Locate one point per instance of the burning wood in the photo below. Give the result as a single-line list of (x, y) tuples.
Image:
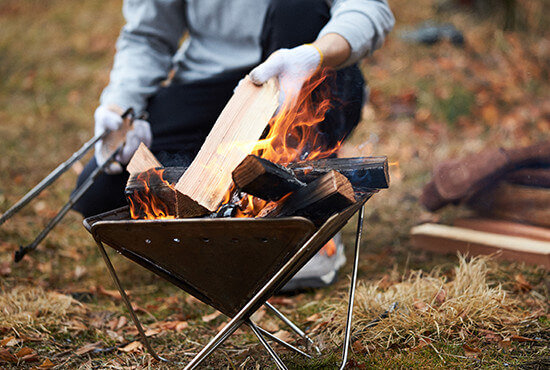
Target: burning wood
[(236, 174), (264, 179)]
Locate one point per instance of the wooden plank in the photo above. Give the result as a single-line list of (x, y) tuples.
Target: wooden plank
[(142, 160), (363, 172), (519, 203), (265, 179), (504, 228), (319, 200), (450, 239), (234, 135)]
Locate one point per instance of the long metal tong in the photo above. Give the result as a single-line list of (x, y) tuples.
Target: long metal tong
[(75, 196)]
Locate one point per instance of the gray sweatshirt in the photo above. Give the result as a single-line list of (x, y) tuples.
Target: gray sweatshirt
[(223, 35)]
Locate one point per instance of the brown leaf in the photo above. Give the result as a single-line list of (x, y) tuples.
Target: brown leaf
[(7, 356), (271, 326), (87, 348), (505, 343), (190, 300), (313, 318), (522, 284), (283, 335), (258, 315), (5, 269), (471, 351), (212, 316), (109, 293), (46, 364), (420, 306), (9, 342), (519, 338), (33, 357), (132, 347), (181, 325), (441, 296), (121, 322), (151, 332), (24, 352), (283, 301)]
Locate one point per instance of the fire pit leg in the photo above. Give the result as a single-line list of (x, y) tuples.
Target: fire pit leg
[(292, 326), (282, 342), (352, 286), (124, 296), (270, 350)]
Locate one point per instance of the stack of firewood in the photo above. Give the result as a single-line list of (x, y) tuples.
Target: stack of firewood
[(224, 170), (508, 191)]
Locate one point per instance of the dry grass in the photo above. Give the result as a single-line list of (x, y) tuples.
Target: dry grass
[(434, 306), (28, 308)]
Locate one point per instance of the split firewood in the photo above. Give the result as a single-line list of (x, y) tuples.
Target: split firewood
[(504, 227), (450, 239), (539, 177), (319, 200), (527, 204), (152, 191), (265, 179), (202, 187), (142, 160), (364, 173)]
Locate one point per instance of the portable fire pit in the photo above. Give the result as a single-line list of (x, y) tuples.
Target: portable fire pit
[(233, 264)]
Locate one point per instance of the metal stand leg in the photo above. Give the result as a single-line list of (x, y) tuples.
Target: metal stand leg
[(272, 353), (282, 342), (353, 282), (292, 326), (133, 315)]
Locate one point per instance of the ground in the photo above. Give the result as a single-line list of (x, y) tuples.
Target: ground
[(427, 103)]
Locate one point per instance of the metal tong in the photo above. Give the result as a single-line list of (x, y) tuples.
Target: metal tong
[(75, 196)]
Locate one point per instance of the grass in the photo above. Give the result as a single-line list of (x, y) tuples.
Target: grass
[(427, 104)]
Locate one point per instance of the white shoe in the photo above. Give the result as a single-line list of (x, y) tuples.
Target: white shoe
[(321, 270)]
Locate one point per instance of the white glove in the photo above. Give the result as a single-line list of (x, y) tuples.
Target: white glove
[(106, 119), (292, 67)]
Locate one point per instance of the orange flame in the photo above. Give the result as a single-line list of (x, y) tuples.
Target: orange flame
[(294, 133), (146, 205)]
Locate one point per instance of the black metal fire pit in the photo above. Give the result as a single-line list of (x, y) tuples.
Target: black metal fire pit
[(234, 264)]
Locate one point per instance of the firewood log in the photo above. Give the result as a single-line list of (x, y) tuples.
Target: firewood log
[(319, 200), (264, 179), (363, 173)]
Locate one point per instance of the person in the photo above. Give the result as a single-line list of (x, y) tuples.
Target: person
[(226, 40)]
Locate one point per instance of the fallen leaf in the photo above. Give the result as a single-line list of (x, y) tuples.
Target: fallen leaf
[(181, 325), (522, 284), (314, 317), (5, 269), (9, 342), (7, 356), (441, 296), (151, 332), (87, 348), (519, 338), (132, 347), (24, 352), (283, 335), (190, 300), (471, 351), (121, 322), (79, 271), (115, 294), (46, 364), (212, 316), (420, 306), (505, 343), (283, 301), (271, 326), (33, 357), (258, 315)]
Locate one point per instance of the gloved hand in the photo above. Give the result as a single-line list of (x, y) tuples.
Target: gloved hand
[(107, 119), (292, 67)]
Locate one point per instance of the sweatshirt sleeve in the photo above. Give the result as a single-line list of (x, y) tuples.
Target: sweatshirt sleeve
[(145, 49), (363, 23)]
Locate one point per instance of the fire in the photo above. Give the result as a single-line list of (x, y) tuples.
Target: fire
[(144, 204), (294, 133)]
